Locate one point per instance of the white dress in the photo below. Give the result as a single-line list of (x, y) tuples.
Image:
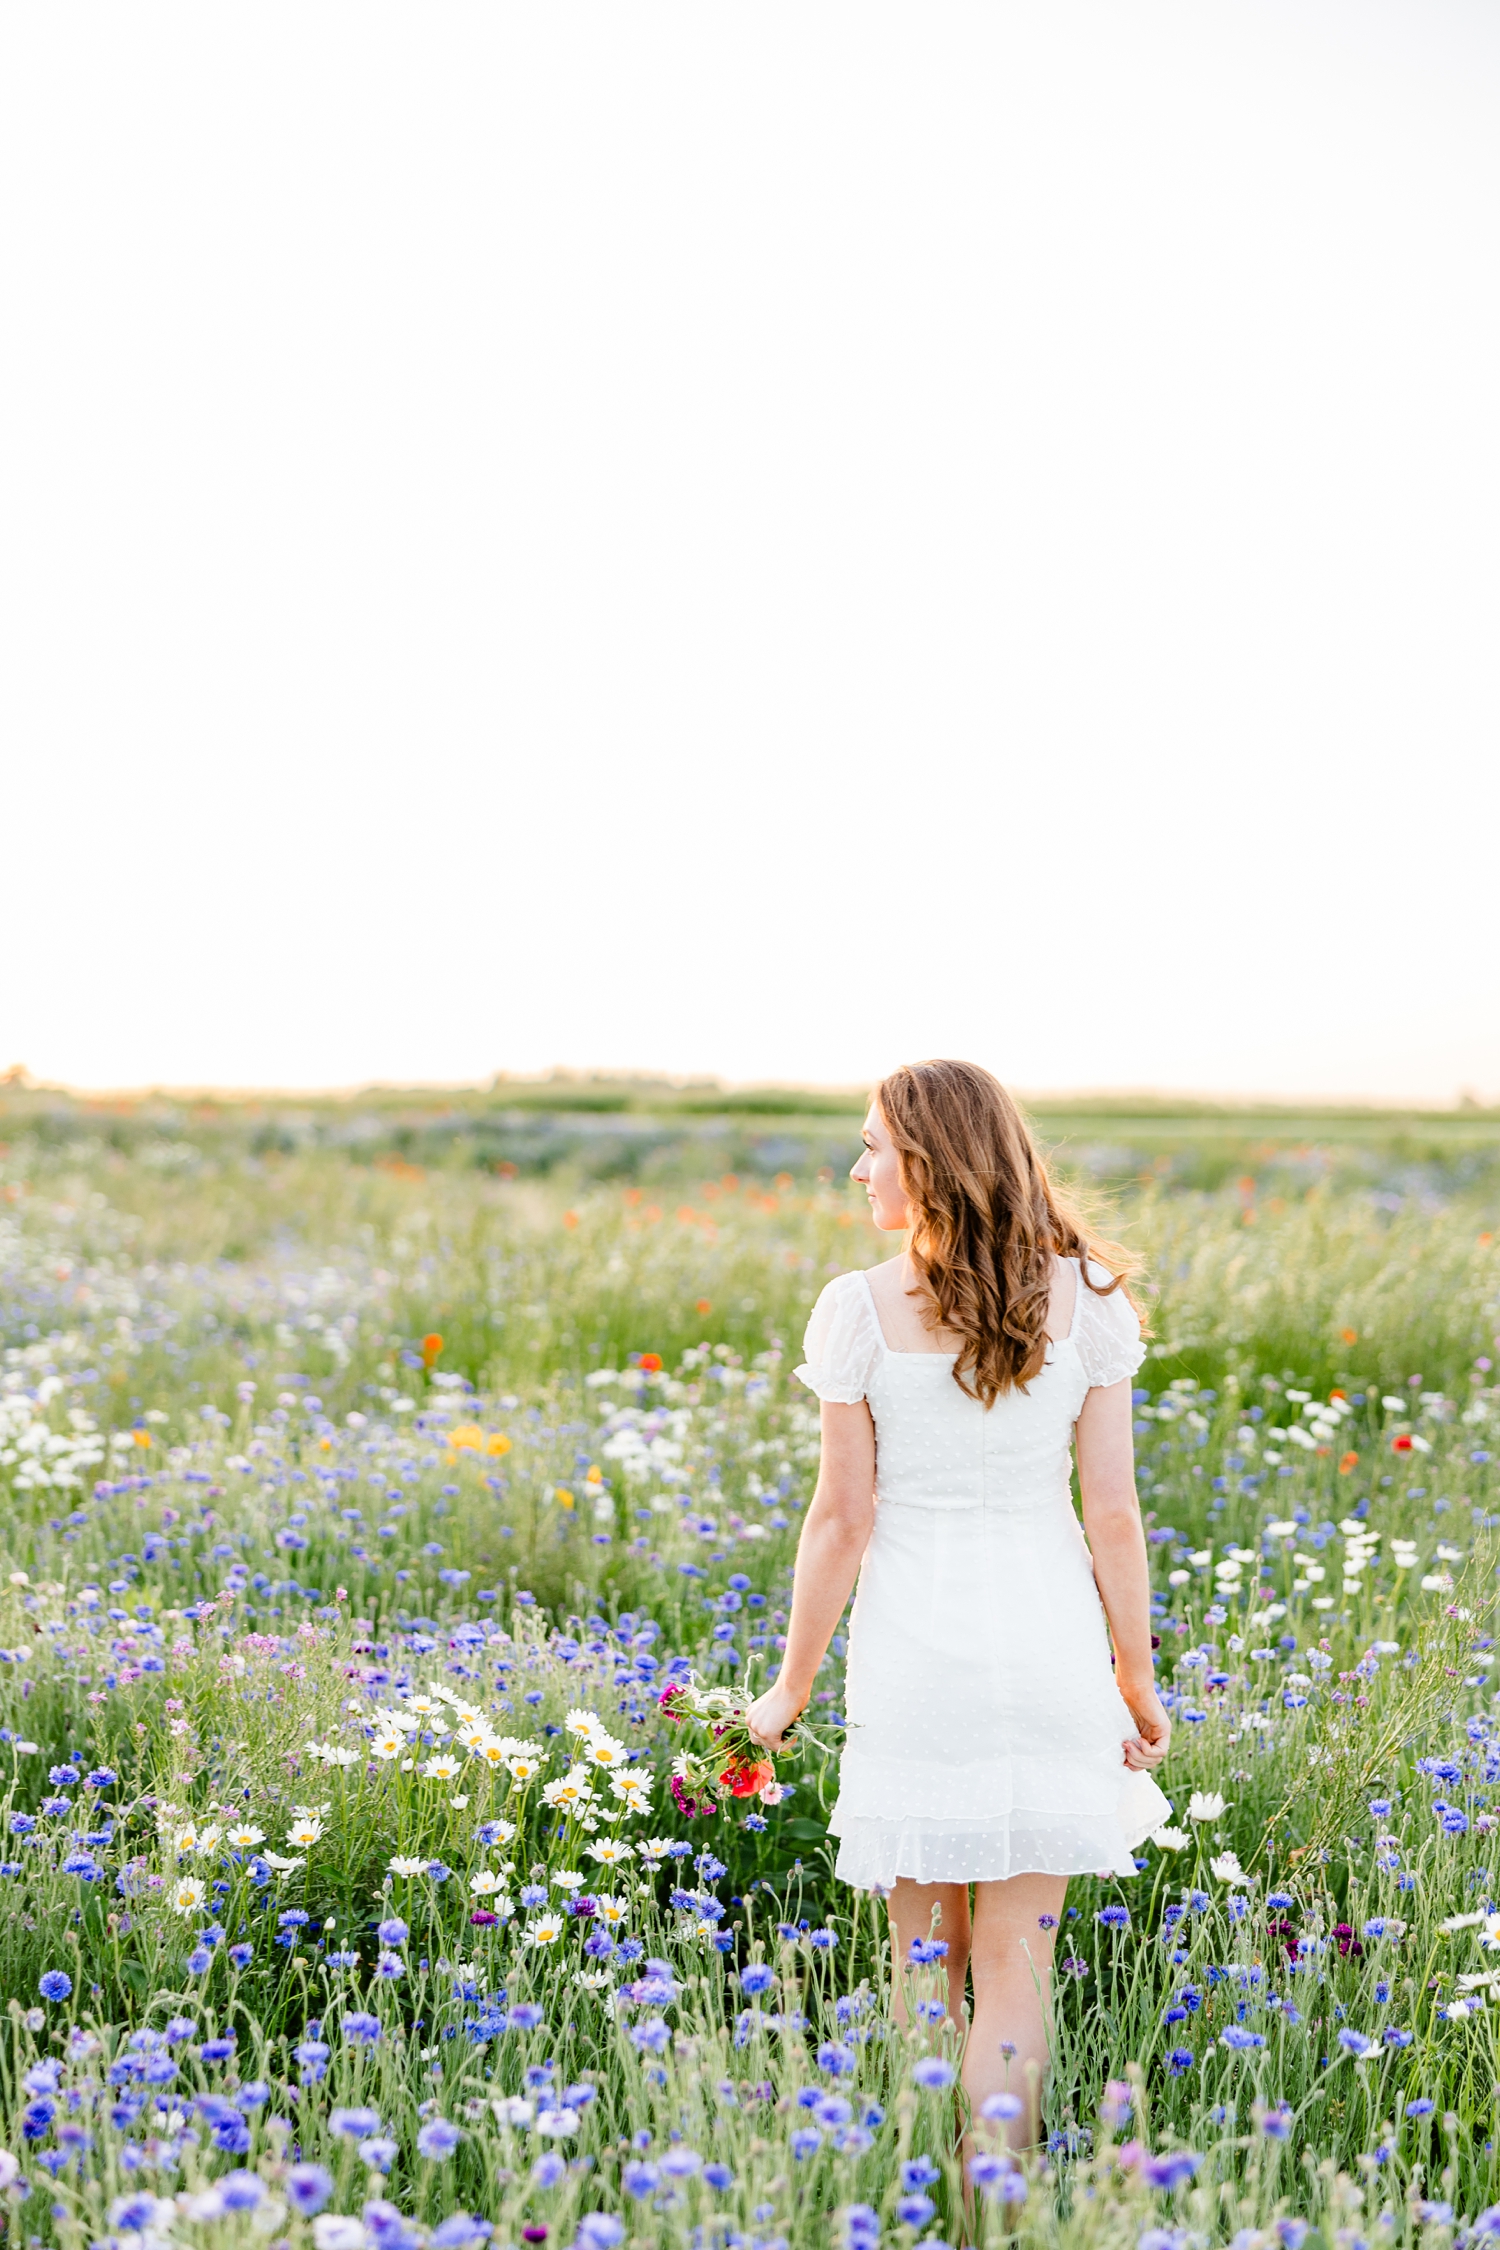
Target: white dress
[(985, 1729)]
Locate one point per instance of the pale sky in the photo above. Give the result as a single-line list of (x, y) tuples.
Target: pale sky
[(760, 540)]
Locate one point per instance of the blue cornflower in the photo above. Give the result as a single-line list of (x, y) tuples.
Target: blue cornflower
[(932, 2071), (1172, 2170), (920, 2172), (1421, 2107), (986, 2172), (393, 1932), (132, 2214), (361, 2030), (805, 2142), (308, 2187), (757, 1977), (242, 1955), (438, 2140), (380, 2153), (1179, 2060), (1236, 2035), (55, 1984), (915, 2210), (354, 2124), (639, 2180), (1115, 1917), (199, 1961)]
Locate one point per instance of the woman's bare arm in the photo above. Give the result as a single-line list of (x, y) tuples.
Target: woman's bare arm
[(829, 1552), (1112, 1525)]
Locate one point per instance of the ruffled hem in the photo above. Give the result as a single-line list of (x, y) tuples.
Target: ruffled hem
[(1022, 1842), (828, 1386)]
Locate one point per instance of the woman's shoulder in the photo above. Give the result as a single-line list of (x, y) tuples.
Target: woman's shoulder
[(846, 1291), (842, 1340), (1108, 1327)]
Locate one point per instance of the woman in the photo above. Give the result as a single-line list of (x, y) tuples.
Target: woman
[(989, 1742)]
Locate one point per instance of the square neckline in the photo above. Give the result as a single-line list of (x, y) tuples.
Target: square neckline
[(948, 1358)]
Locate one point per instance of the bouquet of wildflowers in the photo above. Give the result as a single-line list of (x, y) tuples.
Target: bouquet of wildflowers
[(732, 1764)]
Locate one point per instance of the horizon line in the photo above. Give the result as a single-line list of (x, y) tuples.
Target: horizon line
[(19, 1080)]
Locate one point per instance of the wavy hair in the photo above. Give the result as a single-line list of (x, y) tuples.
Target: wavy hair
[(987, 1222)]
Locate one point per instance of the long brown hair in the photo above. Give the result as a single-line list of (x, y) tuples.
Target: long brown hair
[(987, 1221)]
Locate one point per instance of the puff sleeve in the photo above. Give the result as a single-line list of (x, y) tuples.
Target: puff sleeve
[(842, 1342), (1109, 1334)]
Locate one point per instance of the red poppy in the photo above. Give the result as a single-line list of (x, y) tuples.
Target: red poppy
[(431, 1346), (742, 1779), (1401, 1445), (651, 1361)]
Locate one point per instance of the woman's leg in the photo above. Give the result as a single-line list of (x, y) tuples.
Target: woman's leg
[(910, 1908), (1011, 1954)]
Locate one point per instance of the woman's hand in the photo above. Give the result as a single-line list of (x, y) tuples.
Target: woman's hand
[(1148, 1746), (771, 1714)]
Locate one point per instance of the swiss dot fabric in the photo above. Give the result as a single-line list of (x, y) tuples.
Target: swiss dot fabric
[(985, 1728)]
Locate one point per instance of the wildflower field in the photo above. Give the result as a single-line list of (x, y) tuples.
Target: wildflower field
[(361, 1502)]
